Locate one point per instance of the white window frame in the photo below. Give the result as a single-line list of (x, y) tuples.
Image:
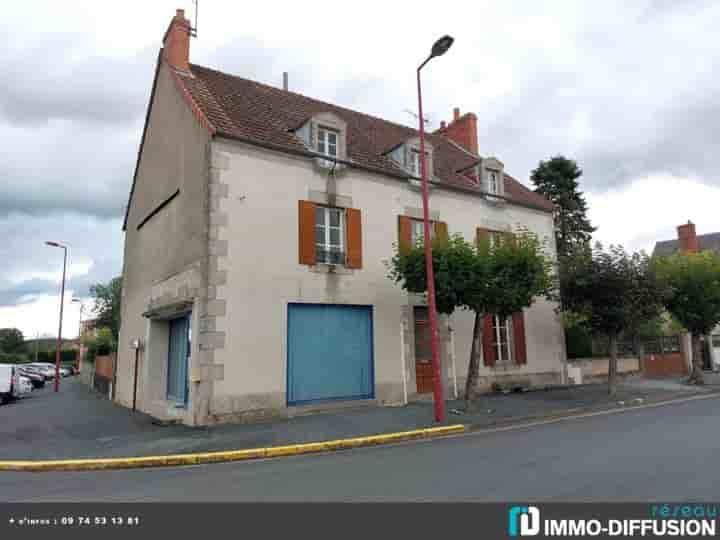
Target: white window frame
[(498, 330), (417, 231), (323, 141), (494, 238), (326, 246), (493, 183), (415, 165)]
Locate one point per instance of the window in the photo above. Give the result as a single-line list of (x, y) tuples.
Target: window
[(327, 141), (417, 231), (330, 235), (502, 338), (494, 237), (493, 184), (414, 164), (716, 340)]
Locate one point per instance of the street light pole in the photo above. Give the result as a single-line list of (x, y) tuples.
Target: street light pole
[(62, 301), (439, 48)]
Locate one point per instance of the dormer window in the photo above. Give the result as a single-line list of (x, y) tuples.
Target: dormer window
[(407, 156), (327, 141), (325, 134), (494, 184)]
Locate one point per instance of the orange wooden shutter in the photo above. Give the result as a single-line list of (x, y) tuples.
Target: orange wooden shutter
[(404, 234), (518, 322), (481, 235), (488, 343), (354, 238), (441, 230), (306, 232)]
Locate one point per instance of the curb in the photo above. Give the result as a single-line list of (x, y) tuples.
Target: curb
[(228, 456), (579, 413)]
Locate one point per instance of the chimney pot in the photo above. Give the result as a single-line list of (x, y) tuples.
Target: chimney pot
[(443, 125), (456, 113), (285, 80), (180, 13)]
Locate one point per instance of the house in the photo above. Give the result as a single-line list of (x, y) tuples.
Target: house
[(258, 229), (688, 241)]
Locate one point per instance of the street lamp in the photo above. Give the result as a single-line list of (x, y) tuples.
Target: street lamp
[(62, 300), (439, 48)]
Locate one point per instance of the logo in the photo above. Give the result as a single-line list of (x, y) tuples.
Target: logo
[(523, 521)]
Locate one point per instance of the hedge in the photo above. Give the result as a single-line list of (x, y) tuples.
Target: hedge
[(12, 358)]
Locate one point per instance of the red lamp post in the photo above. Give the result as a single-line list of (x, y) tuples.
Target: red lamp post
[(440, 47), (62, 301)]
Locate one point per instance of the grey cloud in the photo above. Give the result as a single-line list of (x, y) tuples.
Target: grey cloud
[(23, 253), (58, 77)]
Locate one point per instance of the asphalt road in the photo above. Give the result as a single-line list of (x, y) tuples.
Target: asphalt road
[(664, 453)]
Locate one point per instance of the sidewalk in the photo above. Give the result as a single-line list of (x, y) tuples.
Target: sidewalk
[(78, 424)]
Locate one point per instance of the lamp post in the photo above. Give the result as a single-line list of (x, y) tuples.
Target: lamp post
[(440, 47), (62, 300)]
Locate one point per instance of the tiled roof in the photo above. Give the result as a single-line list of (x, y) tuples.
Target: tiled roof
[(258, 113), (706, 242)]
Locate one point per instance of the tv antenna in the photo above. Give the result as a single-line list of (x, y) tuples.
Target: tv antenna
[(193, 29), (426, 119)]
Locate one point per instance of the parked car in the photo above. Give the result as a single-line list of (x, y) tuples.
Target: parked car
[(36, 378), (10, 386), (47, 370)]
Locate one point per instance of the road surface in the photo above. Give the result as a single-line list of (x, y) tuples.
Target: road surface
[(664, 453)]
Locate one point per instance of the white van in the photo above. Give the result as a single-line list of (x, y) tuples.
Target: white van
[(10, 385)]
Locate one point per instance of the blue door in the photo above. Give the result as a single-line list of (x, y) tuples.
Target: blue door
[(178, 352), (330, 353)]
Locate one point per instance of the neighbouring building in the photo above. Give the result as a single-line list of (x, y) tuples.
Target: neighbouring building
[(258, 229), (688, 241)]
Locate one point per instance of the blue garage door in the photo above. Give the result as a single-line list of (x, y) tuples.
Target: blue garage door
[(330, 353)]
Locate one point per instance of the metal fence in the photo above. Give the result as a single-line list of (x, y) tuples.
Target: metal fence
[(630, 349)]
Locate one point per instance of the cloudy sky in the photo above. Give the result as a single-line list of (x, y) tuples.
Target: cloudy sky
[(628, 89)]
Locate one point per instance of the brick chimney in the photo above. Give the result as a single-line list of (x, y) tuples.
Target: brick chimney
[(176, 42), (688, 238), (462, 130)]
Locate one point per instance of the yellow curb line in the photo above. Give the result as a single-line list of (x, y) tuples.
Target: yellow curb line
[(226, 456)]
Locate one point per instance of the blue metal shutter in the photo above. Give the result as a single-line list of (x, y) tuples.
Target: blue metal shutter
[(330, 353)]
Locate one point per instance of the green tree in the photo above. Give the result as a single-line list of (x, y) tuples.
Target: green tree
[(500, 280), (692, 297), (612, 292), (557, 179), (12, 341), (107, 298)]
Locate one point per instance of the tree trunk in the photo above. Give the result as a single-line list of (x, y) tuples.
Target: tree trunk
[(612, 365), (473, 366), (696, 377)]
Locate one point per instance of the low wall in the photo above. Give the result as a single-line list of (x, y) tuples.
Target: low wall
[(664, 365), (584, 370)]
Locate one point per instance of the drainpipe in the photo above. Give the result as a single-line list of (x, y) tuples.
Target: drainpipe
[(402, 362)]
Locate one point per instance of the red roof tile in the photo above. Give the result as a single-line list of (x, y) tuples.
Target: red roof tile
[(244, 109)]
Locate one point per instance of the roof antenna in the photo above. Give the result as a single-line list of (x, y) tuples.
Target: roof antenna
[(193, 29), (426, 120)]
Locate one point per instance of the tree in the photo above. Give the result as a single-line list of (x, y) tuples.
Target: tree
[(501, 279), (556, 179), (107, 305), (692, 297), (613, 292), (12, 341)]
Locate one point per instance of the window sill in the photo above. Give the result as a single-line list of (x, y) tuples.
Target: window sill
[(495, 200), (324, 268)]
